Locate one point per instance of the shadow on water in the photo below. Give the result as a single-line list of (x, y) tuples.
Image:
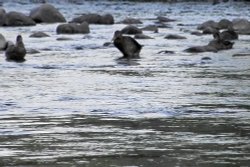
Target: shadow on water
[(16, 61)]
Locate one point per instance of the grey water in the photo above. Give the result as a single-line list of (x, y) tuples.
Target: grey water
[(76, 104)]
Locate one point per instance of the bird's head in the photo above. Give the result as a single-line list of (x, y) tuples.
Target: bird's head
[(116, 35), (19, 38)]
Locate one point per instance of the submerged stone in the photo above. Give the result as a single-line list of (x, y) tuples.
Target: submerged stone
[(39, 35), (73, 28), (174, 36), (94, 18), (131, 21), (130, 29)]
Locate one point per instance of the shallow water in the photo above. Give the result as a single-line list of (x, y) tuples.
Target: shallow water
[(71, 107)]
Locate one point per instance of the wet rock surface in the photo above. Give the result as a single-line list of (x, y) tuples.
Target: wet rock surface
[(39, 34), (17, 19), (130, 29), (46, 13), (94, 18), (2, 42), (73, 28)]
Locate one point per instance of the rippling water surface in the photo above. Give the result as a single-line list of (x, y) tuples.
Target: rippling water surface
[(76, 104)]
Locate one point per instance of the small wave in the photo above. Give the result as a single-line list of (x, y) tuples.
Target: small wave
[(137, 113), (48, 67), (68, 98)]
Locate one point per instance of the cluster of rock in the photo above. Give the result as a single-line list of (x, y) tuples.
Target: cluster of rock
[(241, 26), (80, 25), (46, 13), (224, 32)]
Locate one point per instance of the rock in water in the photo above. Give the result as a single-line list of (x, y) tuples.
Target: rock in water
[(17, 19), (2, 42), (46, 13), (2, 14), (39, 34), (93, 18), (130, 29), (73, 28)]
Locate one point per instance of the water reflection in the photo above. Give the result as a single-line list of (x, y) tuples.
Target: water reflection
[(127, 62)]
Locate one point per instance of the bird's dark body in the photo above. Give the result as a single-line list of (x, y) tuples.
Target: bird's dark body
[(129, 47), (15, 52)]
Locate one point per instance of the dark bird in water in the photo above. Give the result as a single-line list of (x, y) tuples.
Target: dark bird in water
[(229, 34), (15, 52), (215, 45), (129, 47), (219, 43)]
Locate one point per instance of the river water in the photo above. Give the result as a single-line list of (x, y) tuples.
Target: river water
[(76, 104)]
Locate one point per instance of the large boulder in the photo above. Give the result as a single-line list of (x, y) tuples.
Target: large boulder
[(2, 15), (107, 19), (210, 27), (242, 26), (93, 18), (73, 28), (46, 13), (2, 42), (89, 18), (224, 24), (17, 19)]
